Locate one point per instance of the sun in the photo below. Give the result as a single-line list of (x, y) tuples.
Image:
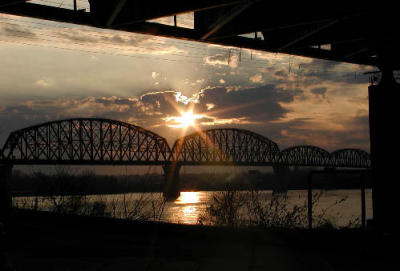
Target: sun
[(185, 120)]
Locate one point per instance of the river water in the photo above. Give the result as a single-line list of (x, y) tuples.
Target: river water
[(341, 206)]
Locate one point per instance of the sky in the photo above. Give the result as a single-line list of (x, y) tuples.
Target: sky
[(51, 71)]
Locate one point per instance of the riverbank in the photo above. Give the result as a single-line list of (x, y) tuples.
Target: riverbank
[(219, 189), (49, 241), (86, 183)]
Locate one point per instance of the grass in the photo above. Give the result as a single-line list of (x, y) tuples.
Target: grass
[(234, 208), (125, 206), (231, 208)]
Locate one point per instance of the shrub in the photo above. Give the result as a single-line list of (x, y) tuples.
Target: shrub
[(255, 208)]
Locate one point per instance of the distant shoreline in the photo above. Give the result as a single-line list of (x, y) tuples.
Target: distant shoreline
[(28, 194), (64, 183)]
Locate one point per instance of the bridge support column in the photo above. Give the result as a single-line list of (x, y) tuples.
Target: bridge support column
[(281, 178), (171, 181), (5, 195), (383, 112)]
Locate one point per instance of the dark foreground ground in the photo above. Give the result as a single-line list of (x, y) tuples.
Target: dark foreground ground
[(46, 241)]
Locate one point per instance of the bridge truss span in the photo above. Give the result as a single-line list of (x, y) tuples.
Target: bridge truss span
[(225, 147), (305, 155), (312, 156), (94, 141), (353, 158), (86, 141)]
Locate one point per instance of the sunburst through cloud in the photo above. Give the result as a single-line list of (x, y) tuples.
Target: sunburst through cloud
[(185, 120)]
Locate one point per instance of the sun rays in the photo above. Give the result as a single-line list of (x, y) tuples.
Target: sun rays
[(186, 120)]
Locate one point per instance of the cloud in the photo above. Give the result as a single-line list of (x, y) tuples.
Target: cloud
[(124, 43), (331, 71), (220, 104), (227, 59), (62, 36), (12, 30), (44, 82), (281, 74), (210, 106), (261, 109), (256, 104), (319, 91), (289, 109), (257, 78), (353, 133)]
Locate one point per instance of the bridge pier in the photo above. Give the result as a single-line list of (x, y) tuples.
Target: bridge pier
[(5, 195), (282, 178), (383, 106), (171, 188)]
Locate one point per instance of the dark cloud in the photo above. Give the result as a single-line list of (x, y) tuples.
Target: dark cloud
[(146, 111), (258, 104), (230, 59), (260, 108), (319, 91), (77, 37), (93, 38), (16, 31), (322, 70), (219, 57), (281, 74), (319, 64), (303, 132), (163, 102)]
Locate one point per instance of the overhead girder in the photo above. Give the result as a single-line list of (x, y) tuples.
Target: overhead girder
[(267, 15), (353, 34), (5, 3), (127, 12), (356, 37)]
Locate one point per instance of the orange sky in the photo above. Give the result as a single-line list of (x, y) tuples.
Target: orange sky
[(53, 71)]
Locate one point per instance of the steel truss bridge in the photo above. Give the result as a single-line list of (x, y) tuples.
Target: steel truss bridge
[(95, 141), (351, 33)]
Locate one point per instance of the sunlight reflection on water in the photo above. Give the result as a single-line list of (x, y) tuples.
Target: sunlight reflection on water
[(188, 197), (187, 208), (190, 205)]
